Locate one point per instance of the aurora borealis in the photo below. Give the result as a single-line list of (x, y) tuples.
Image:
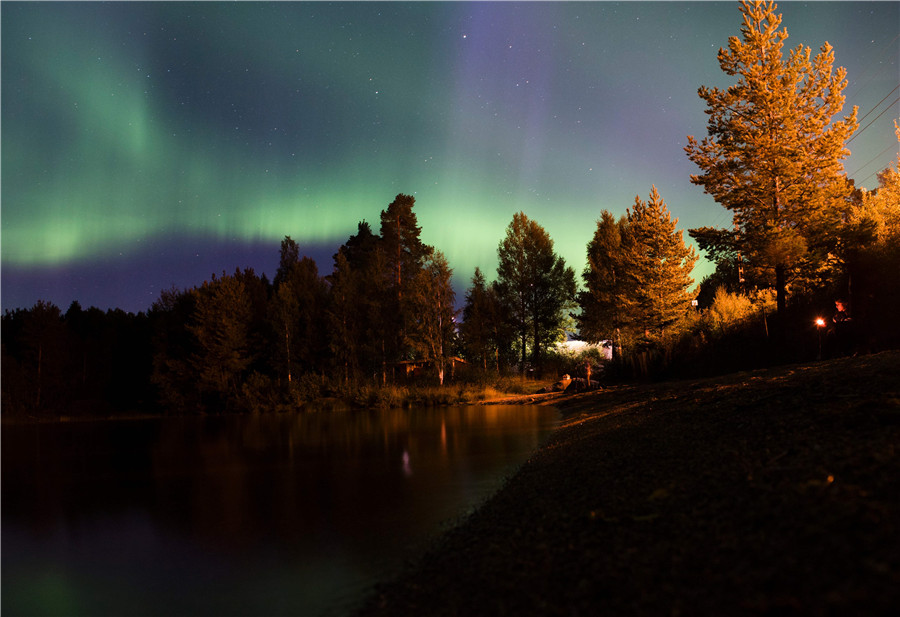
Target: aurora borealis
[(152, 144)]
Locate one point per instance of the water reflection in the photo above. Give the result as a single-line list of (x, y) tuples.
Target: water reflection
[(287, 514)]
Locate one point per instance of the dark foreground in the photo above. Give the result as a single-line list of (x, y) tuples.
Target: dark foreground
[(768, 492)]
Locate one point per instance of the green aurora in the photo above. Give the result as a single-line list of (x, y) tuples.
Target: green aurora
[(128, 124)]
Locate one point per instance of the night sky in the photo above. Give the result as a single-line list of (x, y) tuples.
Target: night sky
[(146, 145)]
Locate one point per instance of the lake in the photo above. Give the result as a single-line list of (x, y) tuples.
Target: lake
[(290, 514)]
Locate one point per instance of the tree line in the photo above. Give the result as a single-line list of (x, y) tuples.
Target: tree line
[(802, 234), (241, 342)]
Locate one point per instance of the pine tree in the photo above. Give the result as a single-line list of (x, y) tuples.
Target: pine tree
[(404, 253), (773, 152), (483, 330), (659, 265), (606, 303), (355, 315), (174, 346), (221, 328), (868, 256), (297, 313)]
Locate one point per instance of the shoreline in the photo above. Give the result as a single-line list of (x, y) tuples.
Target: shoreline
[(774, 490)]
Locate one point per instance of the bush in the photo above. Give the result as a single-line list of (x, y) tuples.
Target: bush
[(728, 309), (260, 393), (306, 389)]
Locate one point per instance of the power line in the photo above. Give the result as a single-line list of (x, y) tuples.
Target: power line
[(870, 175), (859, 132), (880, 102), (878, 156)]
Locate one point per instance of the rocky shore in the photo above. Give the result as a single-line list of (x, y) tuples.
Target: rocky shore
[(765, 492)]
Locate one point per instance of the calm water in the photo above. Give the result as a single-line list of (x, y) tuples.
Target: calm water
[(241, 515)]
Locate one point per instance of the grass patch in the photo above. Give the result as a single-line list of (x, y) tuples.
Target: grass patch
[(419, 395)]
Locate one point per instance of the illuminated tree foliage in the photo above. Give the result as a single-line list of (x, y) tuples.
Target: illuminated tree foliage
[(637, 278), (659, 264), (773, 151), (869, 253), (536, 286)]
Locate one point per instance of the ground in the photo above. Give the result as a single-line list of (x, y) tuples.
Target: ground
[(765, 492)]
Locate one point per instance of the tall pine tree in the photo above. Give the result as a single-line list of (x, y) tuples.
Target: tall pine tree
[(606, 303), (404, 254), (355, 316), (484, 331), (222, 327), (659, 265), (297, 313), (773, 151)]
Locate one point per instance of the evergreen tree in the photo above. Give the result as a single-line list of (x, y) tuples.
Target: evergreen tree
[(773, 152), (868, 255), (42, 350), (726, 276), (659, 265), (606, 303), (287, 259), (357, 317), (221, 326), (297, 312), (483, 330), (343, 318), (535, 284), (403, 253), (174, 346)]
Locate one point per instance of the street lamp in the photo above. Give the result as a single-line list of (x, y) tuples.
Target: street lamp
[(820, 323)]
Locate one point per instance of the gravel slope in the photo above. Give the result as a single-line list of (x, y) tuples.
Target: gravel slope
[(765, 492)]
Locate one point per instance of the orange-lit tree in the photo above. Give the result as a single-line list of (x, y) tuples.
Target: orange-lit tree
[(659, 265), (774, 150)]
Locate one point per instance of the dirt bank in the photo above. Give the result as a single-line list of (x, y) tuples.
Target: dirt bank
[(768, 492)]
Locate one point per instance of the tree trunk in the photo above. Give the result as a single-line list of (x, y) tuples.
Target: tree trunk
[(524, 339), (780, 289), (40, 362), (287, 347), (781, 303)]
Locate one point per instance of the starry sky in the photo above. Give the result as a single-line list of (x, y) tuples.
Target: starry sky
[(146, 145)]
